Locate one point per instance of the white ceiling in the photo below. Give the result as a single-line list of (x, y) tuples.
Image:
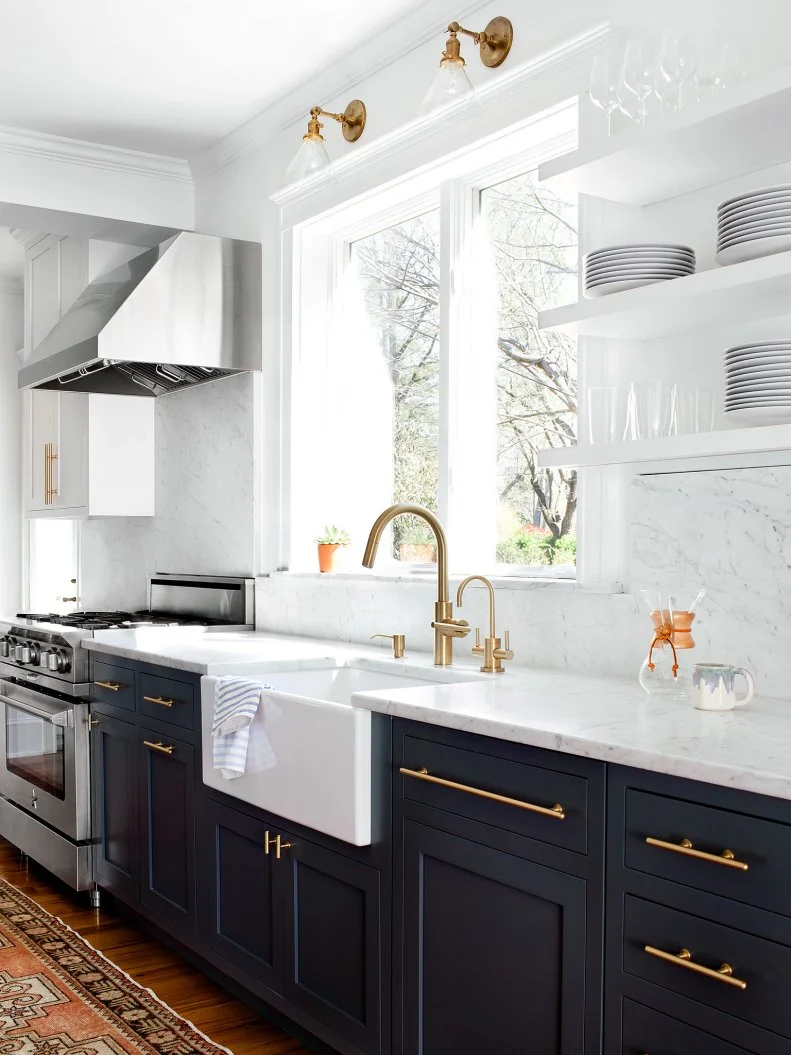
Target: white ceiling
[(168, 76)]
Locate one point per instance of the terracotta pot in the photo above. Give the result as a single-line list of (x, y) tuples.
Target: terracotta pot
[(328, 555), (417, 552)]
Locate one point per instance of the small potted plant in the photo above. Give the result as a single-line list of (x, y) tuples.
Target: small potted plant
[(416, 544), (329, 542)]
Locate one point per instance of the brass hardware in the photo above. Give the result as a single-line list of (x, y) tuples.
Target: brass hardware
[(164, 749), (158, 699), (67, 598), (494, 42), (49, 489), (280, 846), (444, 625), (352, 121), (555, 811), (683, 958), (685, 847), (492, 652), (93, 722), (269, 842), (399, 643), (113, 686)]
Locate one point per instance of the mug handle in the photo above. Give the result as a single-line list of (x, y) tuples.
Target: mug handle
[(750, 686)]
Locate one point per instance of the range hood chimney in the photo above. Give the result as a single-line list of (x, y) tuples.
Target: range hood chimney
[(183, 313)]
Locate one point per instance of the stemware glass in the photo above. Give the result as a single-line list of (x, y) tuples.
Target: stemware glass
[(639, 63), (709, 64), (673, 70), (603, 90)]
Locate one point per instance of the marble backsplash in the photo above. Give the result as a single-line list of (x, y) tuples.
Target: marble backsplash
[(205, 521), (729, 531)]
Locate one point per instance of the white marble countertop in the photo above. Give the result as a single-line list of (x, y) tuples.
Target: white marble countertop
[(597, 717)]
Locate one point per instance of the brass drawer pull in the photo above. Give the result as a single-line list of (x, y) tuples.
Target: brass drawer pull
[(683, 958), (113, 686), (279, 846), (93, 722), (164, 749), (685, 847), (555, 811), (158, 699)]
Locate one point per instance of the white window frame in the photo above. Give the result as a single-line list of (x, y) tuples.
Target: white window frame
[(315, 224)]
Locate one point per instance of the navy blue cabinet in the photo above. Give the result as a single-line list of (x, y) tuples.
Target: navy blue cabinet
[(498, 905), (114, 746)]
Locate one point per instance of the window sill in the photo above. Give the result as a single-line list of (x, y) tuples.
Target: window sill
[(424, 578)]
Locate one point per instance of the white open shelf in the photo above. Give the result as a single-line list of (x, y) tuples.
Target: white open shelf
[(736, 132), (763, 439), (717, 297)]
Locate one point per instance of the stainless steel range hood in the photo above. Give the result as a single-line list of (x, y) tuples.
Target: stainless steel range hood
[(181, 314)]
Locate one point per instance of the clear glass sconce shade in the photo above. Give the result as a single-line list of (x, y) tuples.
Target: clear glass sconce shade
[(450, 85), (311, 157)]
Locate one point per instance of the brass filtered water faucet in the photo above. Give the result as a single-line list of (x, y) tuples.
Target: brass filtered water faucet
[(491, 650), (444, 625)]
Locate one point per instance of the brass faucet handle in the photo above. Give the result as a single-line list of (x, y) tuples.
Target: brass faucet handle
[(399, 643), (507, 651), (477, 648), (452, 627)]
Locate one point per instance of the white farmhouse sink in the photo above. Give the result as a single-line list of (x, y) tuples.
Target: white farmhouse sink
[(321, 777)]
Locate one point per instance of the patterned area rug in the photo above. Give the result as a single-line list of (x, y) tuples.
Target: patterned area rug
[(59, 996)]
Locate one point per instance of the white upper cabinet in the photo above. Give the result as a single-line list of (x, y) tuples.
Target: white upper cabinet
[(86, 455)]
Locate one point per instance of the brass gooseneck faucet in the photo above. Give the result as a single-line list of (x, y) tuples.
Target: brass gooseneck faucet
[(491, 650), (444, 625)]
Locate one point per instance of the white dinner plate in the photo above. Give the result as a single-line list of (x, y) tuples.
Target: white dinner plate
[(657, 276), (767, 356), (749, 234), (605, 289), (634, 272), (759, 193), (755, 211), (770, 415), (740, 227), (642, 247), (748, 346), (753, 392), (759, 399), (751, 249), (769, 375), (636, 258)]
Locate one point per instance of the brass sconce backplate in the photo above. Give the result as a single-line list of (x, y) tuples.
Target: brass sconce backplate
[(353, 120), (497, 40)]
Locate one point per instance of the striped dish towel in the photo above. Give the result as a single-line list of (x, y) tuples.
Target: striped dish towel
[(236, 704)]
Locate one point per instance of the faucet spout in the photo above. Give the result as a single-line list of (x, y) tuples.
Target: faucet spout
[(444, 625)]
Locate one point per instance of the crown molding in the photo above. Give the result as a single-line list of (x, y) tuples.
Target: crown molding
[(389, 45), (8, 289), (497, 96), (42, 145)]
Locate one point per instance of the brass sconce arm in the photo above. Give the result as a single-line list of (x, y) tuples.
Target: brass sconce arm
[(494, 41), (352, 120)]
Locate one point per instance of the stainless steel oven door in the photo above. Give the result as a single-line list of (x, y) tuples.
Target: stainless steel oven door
[(44, 758)]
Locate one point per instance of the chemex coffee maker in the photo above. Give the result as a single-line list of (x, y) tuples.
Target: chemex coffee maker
[(665, 671)]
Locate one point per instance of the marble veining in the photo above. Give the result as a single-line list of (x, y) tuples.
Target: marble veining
[(594, 716)]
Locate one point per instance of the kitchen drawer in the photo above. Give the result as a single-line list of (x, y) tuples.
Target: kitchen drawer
[(764, 966), (647, 1032), (528, 785), (763, 846), (167, 700), (113, 684)]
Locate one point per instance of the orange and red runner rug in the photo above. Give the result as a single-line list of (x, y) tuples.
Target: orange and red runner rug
[(59, 996)]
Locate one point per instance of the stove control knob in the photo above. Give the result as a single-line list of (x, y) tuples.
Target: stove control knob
[(5, 647), (58, 662), (25, 654), (19, 653), (35, 654)]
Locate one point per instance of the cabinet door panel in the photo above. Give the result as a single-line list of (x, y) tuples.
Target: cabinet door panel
[(245, 917), (168, 797), (494, 951), (114, 749), (70, 469), (333, 951), (43, 429)]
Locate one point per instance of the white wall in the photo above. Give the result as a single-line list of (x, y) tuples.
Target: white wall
[(11, 318)]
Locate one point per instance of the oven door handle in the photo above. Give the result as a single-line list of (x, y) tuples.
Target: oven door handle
[(64, 718)]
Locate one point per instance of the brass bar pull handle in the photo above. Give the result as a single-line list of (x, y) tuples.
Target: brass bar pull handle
[(555, 811), (683, 958), (279, 845), (164, 749), (685, 847), (93, 722), (158, 699), (267, 843), (113, 686), (46, 474)]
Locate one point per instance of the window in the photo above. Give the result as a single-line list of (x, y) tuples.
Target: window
[(419, 373)]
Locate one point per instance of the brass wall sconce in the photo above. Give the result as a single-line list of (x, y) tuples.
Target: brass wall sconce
[(312, 155), (451, 82)]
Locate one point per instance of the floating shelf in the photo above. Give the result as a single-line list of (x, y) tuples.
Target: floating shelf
[(736, 132), (717, 297), (763, 439)]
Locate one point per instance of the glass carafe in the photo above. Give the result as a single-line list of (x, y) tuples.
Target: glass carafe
[(667, 669)]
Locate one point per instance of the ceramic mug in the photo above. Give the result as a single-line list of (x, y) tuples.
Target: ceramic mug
[(713, 687)]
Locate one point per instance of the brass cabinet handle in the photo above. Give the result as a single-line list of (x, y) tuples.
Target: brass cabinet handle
[(93, 722), (683, 958), (164, 749), (555, 811), (49, 490), (158, 699), (278, 844), (113, 686), (685, 847)]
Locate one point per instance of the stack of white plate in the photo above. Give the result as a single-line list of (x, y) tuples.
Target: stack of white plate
[(758, 381), (755, 224), (620, 267)]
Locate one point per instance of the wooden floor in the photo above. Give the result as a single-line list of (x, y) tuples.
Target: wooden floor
[(217, 1014)]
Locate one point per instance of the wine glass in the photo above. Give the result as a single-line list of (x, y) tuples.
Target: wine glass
[(639, 63), (673, 70), (603, 90), (709, 64)]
